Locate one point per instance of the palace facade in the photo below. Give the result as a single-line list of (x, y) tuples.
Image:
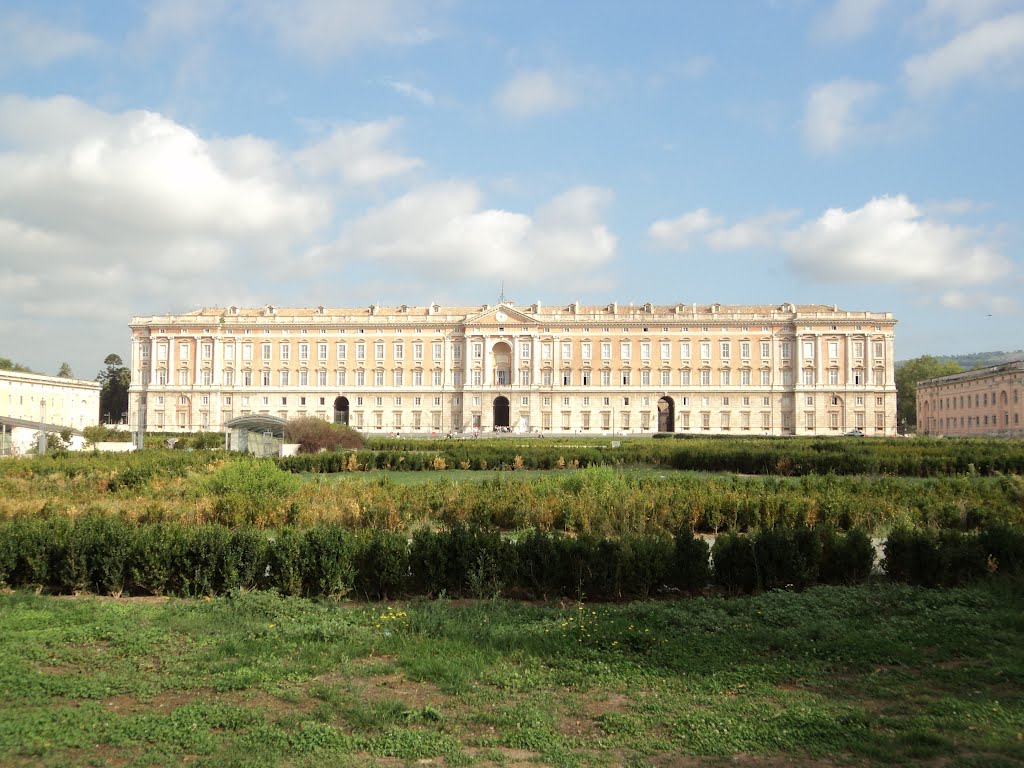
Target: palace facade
[(988, 401), (611, 369)]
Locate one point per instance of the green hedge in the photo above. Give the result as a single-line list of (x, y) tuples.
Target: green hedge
[(918, 457)]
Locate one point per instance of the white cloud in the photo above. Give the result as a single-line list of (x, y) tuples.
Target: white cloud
[(324, 29), (421, 95), (992, 304), (33, 43), (889, 240), (356, 154), (847, 20), (534, 92), (677, 233), (316, 29), (963, 13), (985, 49), (833, 115), (756, 232), (445, 226)]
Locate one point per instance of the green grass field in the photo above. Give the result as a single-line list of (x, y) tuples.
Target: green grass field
[(870, 675)]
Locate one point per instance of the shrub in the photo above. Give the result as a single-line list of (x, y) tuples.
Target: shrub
[(285, 562), (1004, 548), (691, 570), (845, 558), (382, 565), (101, 434), (428, 562), (328, 566), (250, 491), (787, 557), (314, 435), (245, 558), (152, 565), (735, 563)]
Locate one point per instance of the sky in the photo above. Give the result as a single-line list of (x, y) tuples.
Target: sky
[(158, 157)]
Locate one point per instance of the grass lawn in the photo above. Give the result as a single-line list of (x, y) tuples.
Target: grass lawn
[(878, 674)]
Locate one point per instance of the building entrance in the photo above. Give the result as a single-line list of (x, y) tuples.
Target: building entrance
[(501, 413), (666, 415), (341, 410)]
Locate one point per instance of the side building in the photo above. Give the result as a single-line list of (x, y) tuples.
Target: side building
[(611, 369), (51, 400), (985, 402)]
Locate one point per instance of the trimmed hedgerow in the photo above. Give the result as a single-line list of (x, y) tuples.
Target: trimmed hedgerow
[(107, 555)]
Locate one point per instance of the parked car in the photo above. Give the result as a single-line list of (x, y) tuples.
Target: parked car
[(855, 433)]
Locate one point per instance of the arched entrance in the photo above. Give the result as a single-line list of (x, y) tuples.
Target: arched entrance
[(502, 354), (666, 415), (501, 413), (341, 410)]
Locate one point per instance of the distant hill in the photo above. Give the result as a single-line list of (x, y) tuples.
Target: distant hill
[(977, 359)]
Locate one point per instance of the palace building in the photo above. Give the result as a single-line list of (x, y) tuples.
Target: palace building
[(988, 401), (611, 369)]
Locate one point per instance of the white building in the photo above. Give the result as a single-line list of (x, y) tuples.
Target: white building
[(706, 369), (52, 400)]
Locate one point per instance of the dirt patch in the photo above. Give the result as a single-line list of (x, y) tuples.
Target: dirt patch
[(396, 686)]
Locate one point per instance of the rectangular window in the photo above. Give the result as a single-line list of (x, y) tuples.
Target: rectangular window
[(321, 378), (417, 350), (183, 350), (457, 350), (625, 350), (626, 377), (567, 350), (725, 376), (585, 350), (524, 349), (809, 377), (361, 350), (606, 350), (809, 419), (684, 379), (378, 378), (705, 350), (400, 378), (880, 378), (207, 377), (229, 351), (265, 351), (726, 350), (546, 350), (879, 350), (378, 350), (666, 350), (705, 378), (809, 350), (645, 350), (606, 378), (766, 349), (785, 350), (436, 378), (360, 378), (207, 351), (284, 378), (766, 378), (787, 377), (833, 376), (833, 350), (725, 417), (666, 378), (645, 378), (745, 377), (285, 352), (265, 378), (229, 378), (438, 349), (684, 350), (341, 350)]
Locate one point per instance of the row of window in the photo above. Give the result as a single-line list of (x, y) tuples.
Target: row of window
[(547, 349), (977, 421), (567, 377), (982, 399)]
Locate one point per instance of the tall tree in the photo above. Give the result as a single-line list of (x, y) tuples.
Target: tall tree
[(65, 371), (9, 365), (908, 374), (114, 381)]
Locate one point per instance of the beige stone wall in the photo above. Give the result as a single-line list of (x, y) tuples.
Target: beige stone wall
[(590, 370), (49, 399), (986, 402)]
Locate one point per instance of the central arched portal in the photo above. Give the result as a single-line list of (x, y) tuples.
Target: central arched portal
[(501, 413), (502, 354), (341, 410), (666, 415)]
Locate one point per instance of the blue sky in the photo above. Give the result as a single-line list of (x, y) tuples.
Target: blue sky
[(158, 157)]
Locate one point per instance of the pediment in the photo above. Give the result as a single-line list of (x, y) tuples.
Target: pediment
[(501, 315)]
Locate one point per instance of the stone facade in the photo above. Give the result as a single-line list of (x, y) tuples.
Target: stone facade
[(53, 400), (708, 369), (988, 401)]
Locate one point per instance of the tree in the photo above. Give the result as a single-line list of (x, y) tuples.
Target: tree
[(9, 365), (65, 371), (908, 374), (314, 435), (114, 382)]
